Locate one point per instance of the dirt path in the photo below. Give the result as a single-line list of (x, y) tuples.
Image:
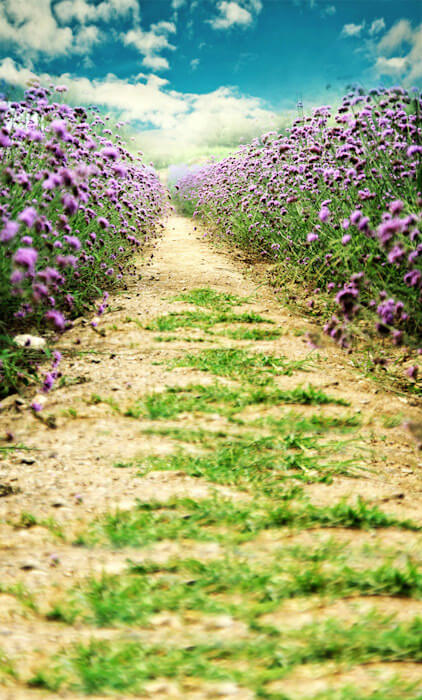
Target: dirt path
[(264, 423)]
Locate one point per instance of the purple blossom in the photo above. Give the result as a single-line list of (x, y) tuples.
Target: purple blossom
[(60, 128), (28, 216), (312, 236), (9, 231), (25, 257), (57, 318)]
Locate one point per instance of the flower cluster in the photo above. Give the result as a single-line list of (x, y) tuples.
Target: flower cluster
[(74, 205), (336, 201)]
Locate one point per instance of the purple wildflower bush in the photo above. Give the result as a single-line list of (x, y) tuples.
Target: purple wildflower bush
[(75, 205), (336, 201)]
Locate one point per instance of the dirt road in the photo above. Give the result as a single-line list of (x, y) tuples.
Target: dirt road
[(217, 495)]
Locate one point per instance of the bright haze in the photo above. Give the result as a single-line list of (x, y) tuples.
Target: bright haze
[(198, 77)]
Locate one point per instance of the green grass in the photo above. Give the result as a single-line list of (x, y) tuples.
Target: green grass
[(184, 518), (201, 319), (211, 299), (251, 333), (99, 667), (245, 589), (242, 465), (212, 398), (238, 363)]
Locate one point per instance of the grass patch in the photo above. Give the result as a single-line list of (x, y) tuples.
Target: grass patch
[(262, 464), (184, 518), (251, 333), (201, 319), (229, 586), (237, 363), (103, 666), (211, 299), (212, 398)]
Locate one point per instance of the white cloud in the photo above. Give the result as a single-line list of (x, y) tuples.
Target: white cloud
[(400, 33), (230, 15), (182, 122), (328, 11), (84, 11), (394, 67), (151, 43), (377, 26), (414, 57), (399, 53), (194, 63), (86, 38), (33, 28), (352, 29)]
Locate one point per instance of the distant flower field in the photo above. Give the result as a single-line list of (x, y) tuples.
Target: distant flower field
[(74, 205), (336, 201)]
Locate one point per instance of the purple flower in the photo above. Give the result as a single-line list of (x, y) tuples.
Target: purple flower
[(412, 371), (60, 129), (346, 298), (57, 318), (355, 216), (311, 237), (16, 277), (70, 204), (396, 207), (413, 278), (73, 241), (104, 223), (9, 231), (346, 239), (412, 150), (324, 214), (25, 257), (48, 382), (396, 254), (110, 153), (4, 139), (28, 216)]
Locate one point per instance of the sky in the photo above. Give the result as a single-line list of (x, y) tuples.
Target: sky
[(193, 77)]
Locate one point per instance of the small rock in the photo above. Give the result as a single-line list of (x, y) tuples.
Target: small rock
[(29, 565), (32, 342)]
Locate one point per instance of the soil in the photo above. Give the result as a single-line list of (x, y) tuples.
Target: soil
[(69, 472)]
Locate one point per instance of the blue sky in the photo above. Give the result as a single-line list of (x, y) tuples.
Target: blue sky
[(198, 75)]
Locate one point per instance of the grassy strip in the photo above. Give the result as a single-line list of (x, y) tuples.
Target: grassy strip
[(127, 666), (238, 363), (229, 586), (201, 398), (201, 319), (210, 299), (184, 518)]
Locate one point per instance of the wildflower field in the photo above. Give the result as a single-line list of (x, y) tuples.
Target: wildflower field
[(75, 204), (336, 203)]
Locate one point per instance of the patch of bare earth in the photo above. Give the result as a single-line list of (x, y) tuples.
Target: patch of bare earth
[(69, 474)]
